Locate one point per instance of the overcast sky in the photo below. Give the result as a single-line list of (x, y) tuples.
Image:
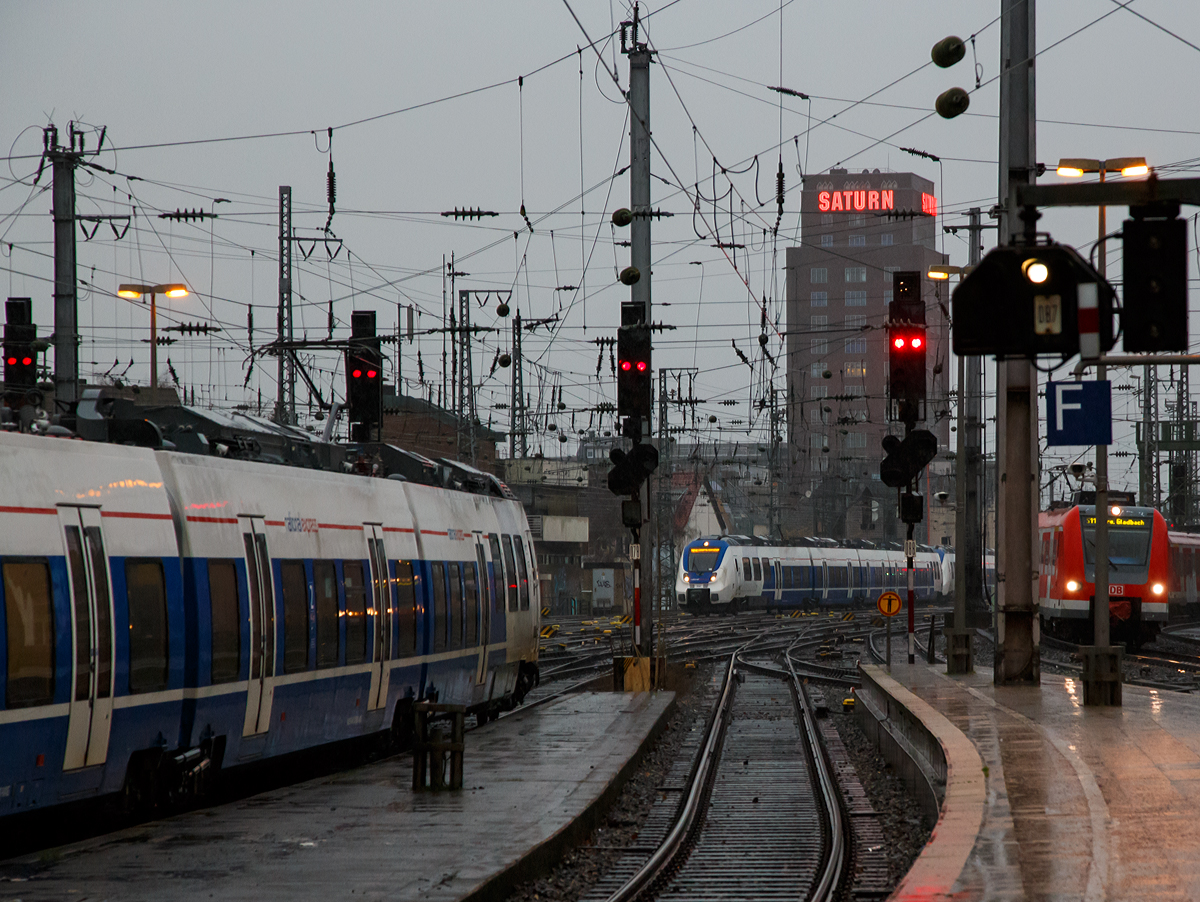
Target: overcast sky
[(231, 100)]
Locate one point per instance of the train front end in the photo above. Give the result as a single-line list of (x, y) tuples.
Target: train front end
[(703, 583)]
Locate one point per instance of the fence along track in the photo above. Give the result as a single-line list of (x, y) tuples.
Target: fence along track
[(760, 819)]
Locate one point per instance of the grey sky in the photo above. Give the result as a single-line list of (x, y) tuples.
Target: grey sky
[(161, 74)]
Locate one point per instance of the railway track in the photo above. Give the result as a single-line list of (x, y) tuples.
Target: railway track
[(758, 815)]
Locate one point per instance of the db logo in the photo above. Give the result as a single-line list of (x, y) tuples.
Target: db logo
[(1116, 590)]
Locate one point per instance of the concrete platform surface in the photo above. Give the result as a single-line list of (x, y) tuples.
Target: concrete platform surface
[(364, 834), (1077, 803)]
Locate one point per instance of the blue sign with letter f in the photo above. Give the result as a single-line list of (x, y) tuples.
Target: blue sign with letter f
[(1079, 413)]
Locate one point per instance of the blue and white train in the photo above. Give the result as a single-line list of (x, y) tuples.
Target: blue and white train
[(163, 614), (734, 573)]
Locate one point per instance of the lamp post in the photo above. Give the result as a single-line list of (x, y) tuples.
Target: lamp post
[(1096, 689), (171, 290)]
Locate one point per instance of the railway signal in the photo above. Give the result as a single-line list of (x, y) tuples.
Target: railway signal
[(633, 371), (1154, 316), (907, 343), (364, 377), (631, 469), (1023, 301), (20, 360), (906, 457)]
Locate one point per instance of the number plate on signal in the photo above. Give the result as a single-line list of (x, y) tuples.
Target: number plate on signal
[(1047, 314)]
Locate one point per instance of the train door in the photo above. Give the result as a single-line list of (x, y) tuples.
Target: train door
[(92, 638), (775, 566), (260, 691), (486, 594), (381, 598)]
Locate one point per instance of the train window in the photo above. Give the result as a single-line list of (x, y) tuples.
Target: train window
[(295, 617), (83, 617), (758, 570), (146, 590), (471, 594), (747, 574), (458, 624), (226, 637), (522, 572), (406, 607), (29, 618), (356, 611), (325, 595), (103, 611), (510, 573), (440, 625), (497, 574)]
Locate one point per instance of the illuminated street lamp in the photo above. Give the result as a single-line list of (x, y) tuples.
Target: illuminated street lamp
[(1077, 167), (942, 273), (171, 290)]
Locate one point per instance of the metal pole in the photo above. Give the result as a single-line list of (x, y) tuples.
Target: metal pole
[(153, 341), (284, 373), (912, 614), (639, 203), (968, 551), (1017, 651), (66, 308)]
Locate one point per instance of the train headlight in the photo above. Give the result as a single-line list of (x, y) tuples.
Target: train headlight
[(1157, 588), (1072, 585), (686, 578)]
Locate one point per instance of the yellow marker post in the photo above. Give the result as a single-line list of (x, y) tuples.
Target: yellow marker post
[(889, 606)]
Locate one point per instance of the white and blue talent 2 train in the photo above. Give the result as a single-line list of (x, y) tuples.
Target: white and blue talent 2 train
[(727, 574), (164, 614)]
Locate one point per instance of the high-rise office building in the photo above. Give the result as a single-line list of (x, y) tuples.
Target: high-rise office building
[(857, 229)]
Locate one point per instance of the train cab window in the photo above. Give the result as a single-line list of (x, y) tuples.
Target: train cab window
[(458, 625), (471, 596), (441, 626), (356, 611), (522, 572), (147, 595), (406, 607), (325, 592), (747, 574), (295, 616), (498, 583), (758, 570), (510, 573), (29, 622), (226, 637)]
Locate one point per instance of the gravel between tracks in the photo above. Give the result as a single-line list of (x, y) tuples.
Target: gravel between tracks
[(580, 868)]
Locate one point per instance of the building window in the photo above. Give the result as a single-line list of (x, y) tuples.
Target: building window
[(856, 299), (817, 369), (826, 241), (818, 299), (856, 346), (591, 453), (858, 221), (826, 219), (887, 295), (856, 369), (857, 241), (887, 239), (819, 463), (818, 346), (817, 392), (818, 322), (818, 275), (855, 391), (856, 273), (888, 271), (855, 320), (816, 441), (856, 440)]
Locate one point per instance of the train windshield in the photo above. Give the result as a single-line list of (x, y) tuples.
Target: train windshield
[(701, 560), (1128, 545)]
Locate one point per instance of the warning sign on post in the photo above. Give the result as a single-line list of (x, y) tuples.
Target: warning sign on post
[(889, 604)]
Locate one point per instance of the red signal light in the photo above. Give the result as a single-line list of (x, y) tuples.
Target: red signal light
[(12, 361), (356, 374), (626, 365), (898, 341), (641, 366), (371, 374), (916, 341), (27, 361)]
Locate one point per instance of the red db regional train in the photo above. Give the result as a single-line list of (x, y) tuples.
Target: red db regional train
[(1139, 572), (164, 614)]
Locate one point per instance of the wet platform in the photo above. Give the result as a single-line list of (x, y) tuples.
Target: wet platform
[(533, 781), (1044, 798)]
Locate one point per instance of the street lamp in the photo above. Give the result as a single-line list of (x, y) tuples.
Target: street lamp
[(1077, 167), (944, 272), (171, 290)]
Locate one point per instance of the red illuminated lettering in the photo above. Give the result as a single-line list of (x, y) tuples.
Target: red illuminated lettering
[(849, 196), (823, 201), (860, 200), (872, 200), (837, 201), (886, 200), (929, 204)]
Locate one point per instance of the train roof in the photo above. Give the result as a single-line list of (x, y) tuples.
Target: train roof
[(811, 542)]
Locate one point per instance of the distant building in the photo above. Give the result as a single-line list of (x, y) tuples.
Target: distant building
[(415, 424), (857, 230)]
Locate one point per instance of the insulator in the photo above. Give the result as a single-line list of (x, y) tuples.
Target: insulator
[(331, 184), (502, 309), (779, 192), (505, 361), (948, 51), (953, 102)]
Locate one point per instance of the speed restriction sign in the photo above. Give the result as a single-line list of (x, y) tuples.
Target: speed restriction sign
[(889, 604)]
